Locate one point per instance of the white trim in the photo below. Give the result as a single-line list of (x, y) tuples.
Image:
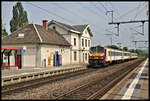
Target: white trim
[(74, 31), (37, 33), (88, 26)]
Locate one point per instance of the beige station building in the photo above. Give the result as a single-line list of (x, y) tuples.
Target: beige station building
[(41, 45)]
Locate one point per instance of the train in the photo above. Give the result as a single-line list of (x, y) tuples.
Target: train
[(101, 55)]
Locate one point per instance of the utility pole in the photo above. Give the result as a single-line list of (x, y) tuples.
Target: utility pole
[(125, 22), (140, 41)]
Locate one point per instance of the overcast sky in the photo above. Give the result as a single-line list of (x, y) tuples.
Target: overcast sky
[(92, 13)]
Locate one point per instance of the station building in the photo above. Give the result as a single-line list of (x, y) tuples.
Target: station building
[(79, 36), (49, 45)]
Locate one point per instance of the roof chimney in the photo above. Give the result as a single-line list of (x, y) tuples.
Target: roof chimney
[(45, 24)]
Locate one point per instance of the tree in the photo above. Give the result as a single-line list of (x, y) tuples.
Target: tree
[(19, 18), (113, 46), (131, 50), (4, 33), (125, 48)]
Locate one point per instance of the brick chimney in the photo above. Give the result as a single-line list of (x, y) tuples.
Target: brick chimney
[(45, 24)]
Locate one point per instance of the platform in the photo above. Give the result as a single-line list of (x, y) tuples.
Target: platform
[(14, 76), (134, 86)]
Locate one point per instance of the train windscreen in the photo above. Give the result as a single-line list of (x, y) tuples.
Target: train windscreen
[(100, 50), (93, 50)]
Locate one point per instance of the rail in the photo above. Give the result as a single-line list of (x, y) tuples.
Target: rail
[(87, 91)]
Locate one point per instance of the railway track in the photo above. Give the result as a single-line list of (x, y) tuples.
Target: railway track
[(22, 86), (97, 88)]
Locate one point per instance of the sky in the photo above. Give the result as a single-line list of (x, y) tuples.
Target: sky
[(92, 13)]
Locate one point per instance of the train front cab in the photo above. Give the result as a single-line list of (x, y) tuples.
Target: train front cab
[(97, 55)]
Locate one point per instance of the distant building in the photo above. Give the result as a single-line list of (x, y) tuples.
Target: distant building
[(79, 36)]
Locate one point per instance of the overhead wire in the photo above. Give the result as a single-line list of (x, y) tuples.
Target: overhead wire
[(139, 12), (70, 12), (50, 12), (138, 7)]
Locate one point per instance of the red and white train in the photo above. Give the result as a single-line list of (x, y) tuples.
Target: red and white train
[(101, 55)]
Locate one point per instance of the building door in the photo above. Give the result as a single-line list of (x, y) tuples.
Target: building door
[(18, 61)]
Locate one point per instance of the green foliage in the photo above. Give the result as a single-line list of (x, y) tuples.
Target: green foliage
[(140, 53), (125, 48), (3, 31), (131, 50), (113, 47), (19, 17)]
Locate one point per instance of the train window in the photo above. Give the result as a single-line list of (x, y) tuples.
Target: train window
[(100, 50), (93, 50), (112, 54)]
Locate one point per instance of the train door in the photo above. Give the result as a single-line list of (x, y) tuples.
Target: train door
[(122, 56), (110, 56), (104, 55)]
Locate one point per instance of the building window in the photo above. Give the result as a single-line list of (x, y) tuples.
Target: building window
[(85, 42), (83, 57), (54, 27), (74, 41), (82, 42), (20, 35), (86, 56), (75, 56), (89, 43)]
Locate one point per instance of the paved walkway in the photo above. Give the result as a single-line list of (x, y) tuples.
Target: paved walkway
[(135, 87), (9, 73)]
